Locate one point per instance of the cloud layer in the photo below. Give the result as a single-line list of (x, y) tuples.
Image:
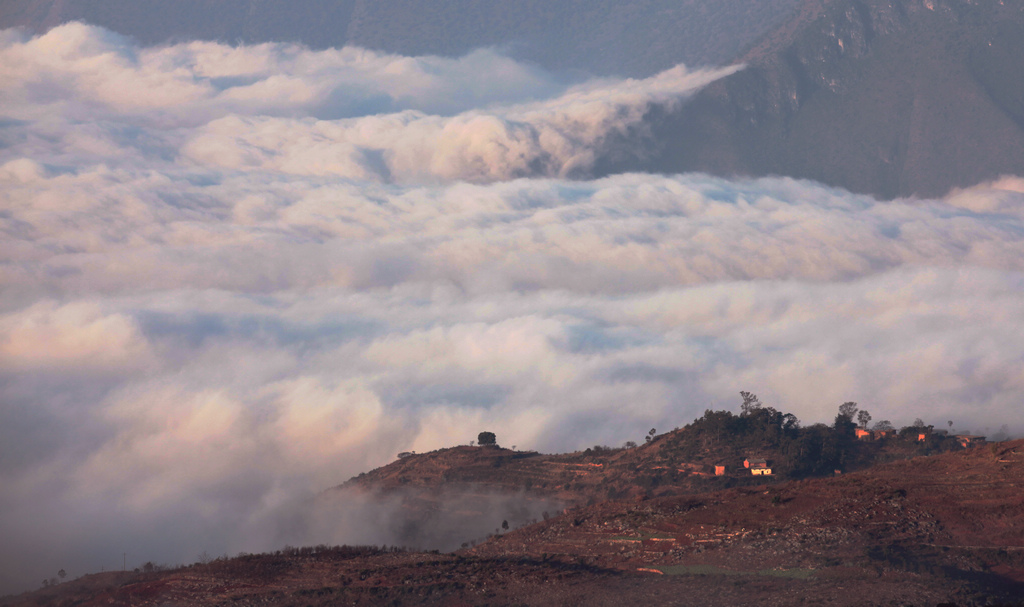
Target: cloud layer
[(233, 277), (90, 96)]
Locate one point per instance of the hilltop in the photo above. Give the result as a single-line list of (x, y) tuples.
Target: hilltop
[(680, 461), (458, 496)]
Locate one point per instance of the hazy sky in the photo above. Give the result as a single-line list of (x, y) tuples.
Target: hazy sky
[(231, 277)]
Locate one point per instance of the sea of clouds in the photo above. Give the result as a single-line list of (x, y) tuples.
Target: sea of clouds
[(231, 277)]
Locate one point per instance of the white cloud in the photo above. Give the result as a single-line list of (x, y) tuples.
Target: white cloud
[(84, 71), (74, 336), (562, 136), (347, 112)]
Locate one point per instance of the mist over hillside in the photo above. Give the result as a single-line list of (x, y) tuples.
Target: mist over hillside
[(603, 37)]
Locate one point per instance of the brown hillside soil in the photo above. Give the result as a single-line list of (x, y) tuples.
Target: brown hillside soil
[(935, 528), (335, 577), (928, 531)]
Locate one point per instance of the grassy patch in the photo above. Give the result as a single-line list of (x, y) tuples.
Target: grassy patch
[(644, 536), (800, 574)]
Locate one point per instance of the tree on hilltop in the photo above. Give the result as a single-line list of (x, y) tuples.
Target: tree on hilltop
[(750, 404), (848, 409), (884, 426), (486, 438), (844, 424)]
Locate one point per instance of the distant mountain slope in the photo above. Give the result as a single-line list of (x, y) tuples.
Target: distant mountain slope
[(635, 38), (889, 97)]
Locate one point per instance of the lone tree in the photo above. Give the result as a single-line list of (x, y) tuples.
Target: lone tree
[(750, 404), (863, 418), (486, 438), (848, 410), (844, 420), (884, 426)]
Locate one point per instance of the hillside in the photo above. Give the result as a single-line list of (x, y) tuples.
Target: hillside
[(950, 525), (460, 495), (887, 97), (635, 38), (676, 462), (943, 528)]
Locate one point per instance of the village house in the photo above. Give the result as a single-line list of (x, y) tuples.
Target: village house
[(970, 440), (719, 470), (863, 434), (752, 462), (758, 466)]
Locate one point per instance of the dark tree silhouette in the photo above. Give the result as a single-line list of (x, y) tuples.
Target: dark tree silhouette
[(848, 409), (884, 426), (750, 404), (486, 438), (844, 424)]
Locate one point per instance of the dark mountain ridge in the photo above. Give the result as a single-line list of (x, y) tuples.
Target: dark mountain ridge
[(887, 97)]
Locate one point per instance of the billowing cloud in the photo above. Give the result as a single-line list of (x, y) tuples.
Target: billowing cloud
[(342, 112), (77, 335), (269, 269), (82, 72), (561, 137)]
